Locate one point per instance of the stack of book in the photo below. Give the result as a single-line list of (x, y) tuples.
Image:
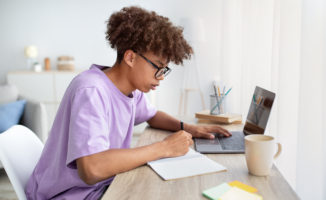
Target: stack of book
[(226, 118)]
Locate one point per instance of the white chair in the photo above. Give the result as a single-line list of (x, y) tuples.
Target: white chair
[(20, 150)]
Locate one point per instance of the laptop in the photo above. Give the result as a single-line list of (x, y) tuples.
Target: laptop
[(259, 111)]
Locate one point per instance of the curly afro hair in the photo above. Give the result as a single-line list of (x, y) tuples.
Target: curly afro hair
[(142, 31)]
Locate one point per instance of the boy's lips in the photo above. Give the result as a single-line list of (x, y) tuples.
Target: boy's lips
[(153, 86)]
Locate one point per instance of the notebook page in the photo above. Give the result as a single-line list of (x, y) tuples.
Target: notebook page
[(191, 164)]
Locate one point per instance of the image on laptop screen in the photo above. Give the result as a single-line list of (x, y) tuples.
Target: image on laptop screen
[(260, 108)]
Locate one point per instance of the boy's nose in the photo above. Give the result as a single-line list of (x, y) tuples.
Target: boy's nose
[(161, 78)]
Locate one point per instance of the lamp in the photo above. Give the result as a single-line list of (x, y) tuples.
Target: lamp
[(194, 33), (31, 54)]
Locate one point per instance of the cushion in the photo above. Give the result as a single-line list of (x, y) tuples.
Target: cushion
[(8, 93), (10, 114)]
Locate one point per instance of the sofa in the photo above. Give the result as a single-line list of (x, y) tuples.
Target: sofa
[(34, 114)]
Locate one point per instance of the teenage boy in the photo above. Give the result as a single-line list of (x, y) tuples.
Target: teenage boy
[(90, 138)]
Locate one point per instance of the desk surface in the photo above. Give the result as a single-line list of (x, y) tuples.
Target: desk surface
[(143, 183)]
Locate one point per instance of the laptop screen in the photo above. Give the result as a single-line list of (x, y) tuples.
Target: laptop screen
[(259, 111)]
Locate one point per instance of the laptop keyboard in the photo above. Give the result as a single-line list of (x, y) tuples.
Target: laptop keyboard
[(206, 145), (235, 142), (208, 142)]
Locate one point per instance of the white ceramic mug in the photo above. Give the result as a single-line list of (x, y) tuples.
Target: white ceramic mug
[(260, 153)]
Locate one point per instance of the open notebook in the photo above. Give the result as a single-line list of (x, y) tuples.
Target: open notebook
[(191, 164)]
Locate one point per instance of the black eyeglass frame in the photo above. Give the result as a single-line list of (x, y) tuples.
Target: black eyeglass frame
[(163, 70)]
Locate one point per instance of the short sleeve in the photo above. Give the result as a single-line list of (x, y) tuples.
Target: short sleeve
[(144, 110), (88, 128)]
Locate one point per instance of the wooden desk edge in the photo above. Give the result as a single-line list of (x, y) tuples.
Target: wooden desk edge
[(143, 140)]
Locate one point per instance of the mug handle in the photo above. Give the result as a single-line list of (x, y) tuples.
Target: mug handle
[(279, 150)]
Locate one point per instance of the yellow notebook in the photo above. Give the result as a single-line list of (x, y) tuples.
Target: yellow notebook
[(243, 186), (234, 190), (236, 193)]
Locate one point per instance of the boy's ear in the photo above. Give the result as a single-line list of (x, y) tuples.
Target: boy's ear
[(129, 57)]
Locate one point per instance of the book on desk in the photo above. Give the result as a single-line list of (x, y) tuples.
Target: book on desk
[(191, 164), (227, 118)]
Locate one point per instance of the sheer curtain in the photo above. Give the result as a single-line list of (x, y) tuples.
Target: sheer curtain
[(312, 108), (281, 45)]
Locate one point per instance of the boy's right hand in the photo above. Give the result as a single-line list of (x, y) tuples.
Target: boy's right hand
[(177, 144)]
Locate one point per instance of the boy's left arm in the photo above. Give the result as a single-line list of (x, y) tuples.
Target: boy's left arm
[(164, 121)]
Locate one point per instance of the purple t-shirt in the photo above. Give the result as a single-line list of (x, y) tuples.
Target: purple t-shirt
[(94, 116)]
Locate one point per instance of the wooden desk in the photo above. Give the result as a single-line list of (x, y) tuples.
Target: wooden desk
[(143, 183)]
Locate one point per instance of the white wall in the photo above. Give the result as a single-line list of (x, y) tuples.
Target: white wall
[(286, 79), (77, 28), (324, 137), (311, 173)]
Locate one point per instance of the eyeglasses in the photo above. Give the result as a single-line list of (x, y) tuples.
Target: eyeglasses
[(160, 70)]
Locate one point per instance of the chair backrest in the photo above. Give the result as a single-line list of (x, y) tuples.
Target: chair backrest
[(20, 150)]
